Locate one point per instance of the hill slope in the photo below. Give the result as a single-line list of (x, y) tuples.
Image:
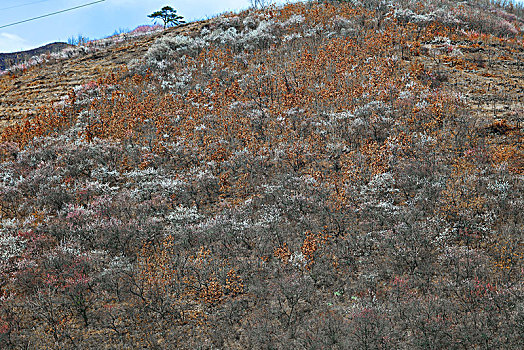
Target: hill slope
[(24, 91), (327, 175)]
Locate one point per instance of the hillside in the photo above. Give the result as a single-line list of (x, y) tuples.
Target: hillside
[(320, 175), (25, 90)]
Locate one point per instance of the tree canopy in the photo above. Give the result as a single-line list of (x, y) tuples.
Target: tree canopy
[(168, 15)]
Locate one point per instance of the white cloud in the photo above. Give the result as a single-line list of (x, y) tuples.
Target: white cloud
[(12, 43)]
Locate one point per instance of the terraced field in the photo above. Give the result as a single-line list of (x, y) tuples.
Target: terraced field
[(23, 93), (491, 78)]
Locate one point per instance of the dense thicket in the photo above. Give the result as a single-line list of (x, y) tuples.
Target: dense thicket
[(288, 178)]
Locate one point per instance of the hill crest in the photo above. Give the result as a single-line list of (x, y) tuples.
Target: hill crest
[(13, 58)]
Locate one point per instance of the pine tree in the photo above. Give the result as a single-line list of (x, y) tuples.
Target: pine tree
[(168, 15)]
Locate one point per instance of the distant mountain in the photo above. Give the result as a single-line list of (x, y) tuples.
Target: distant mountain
[(8, 59)]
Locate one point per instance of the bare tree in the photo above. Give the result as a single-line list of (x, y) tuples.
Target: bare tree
[(260, 4)]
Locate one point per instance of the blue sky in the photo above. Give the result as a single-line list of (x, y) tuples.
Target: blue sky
[(96, 21)]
